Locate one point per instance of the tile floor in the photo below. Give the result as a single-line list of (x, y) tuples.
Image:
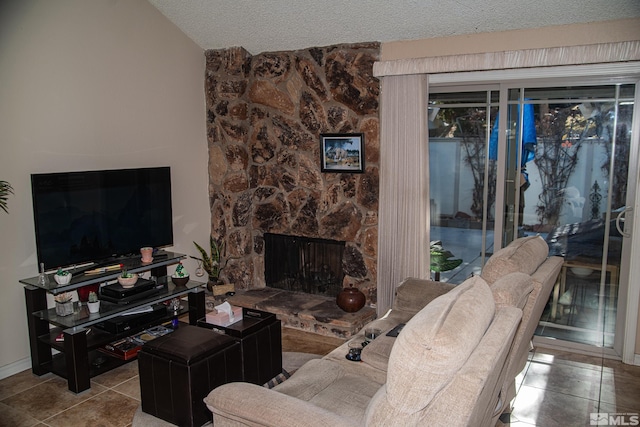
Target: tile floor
[(112, 400), (555, 389), (564, 389)]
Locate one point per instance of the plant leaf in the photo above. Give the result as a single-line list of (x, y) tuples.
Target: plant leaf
[(5, 190), (206, 260)]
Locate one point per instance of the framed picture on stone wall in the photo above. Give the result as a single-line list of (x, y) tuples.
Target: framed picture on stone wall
[(342, 152)]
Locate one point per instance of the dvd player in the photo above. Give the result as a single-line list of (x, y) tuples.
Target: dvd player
[(126, 322)]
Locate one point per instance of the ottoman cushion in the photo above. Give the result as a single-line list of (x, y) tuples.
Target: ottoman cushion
[(188, 344)]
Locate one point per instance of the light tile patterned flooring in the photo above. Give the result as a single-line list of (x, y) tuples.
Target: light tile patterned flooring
[(555, 389), (565, 389)]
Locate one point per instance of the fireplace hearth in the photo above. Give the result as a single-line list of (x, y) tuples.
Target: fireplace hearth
[(303, 264)]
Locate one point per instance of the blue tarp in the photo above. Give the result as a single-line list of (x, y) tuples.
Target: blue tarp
[(529, 136)]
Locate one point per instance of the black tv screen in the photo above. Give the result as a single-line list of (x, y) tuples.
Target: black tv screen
[(93, 216)]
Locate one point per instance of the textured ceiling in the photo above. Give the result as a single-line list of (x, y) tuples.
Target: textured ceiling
[(274, 25)]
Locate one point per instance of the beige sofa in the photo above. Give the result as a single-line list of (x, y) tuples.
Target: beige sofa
[(454, 362)]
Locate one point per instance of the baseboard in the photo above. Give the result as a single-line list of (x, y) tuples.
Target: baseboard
[(573, 347), (15, 367)]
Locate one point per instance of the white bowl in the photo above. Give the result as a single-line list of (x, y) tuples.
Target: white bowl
[(62, 280), (128, 282), (581, 271)]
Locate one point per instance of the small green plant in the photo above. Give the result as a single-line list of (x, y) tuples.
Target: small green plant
[(5, 190), (63, 297), (62, 272), (93, 297), (212, 263), (125, 274), (180, 271), (440, 258)]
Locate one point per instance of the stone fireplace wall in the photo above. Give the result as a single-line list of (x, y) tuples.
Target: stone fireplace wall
[(265, 114)]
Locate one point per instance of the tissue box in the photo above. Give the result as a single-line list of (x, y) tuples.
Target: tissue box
[(222, 319)]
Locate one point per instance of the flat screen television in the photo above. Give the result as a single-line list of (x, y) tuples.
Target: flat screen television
[(96, 216)]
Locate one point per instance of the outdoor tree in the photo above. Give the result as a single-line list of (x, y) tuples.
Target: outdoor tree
[(560, 134), (622, 146), (473, 129)]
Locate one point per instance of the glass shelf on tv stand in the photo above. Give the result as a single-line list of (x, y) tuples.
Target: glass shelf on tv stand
[(108, 310), (133, 265)]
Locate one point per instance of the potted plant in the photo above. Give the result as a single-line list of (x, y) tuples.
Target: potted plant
[(126, 279), (5, 190), (64, 304), (93, 303), (62, 277), (212, 264), (180, 277), (440, 259)]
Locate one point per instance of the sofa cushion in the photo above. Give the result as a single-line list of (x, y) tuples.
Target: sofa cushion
[(523, 255), (332, 386), (436, 342), (512, 290), (413, 294)]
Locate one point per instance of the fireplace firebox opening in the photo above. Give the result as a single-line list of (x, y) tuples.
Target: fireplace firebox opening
[(303, 264)]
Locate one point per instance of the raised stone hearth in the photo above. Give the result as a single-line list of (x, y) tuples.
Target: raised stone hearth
[(312, 313)]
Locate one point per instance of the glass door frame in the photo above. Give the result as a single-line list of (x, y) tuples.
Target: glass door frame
[(628, 72)]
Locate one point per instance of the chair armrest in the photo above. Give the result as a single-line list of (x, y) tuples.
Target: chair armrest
[(253, 405), (412, 295)]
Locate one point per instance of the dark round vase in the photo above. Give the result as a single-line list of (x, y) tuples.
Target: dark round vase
[(351, 299)]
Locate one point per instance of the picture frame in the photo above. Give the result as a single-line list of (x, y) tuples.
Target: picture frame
[(342, 152)]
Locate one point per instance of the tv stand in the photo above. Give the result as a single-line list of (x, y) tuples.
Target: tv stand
[(78, 359)]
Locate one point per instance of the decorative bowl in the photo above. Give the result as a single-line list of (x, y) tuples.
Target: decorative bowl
[(62, 279), (128, 282), (581, 271), (180, 281)]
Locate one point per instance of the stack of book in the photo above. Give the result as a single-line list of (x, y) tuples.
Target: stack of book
[(128, 348)]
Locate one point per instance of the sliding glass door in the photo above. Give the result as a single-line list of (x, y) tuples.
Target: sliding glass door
[(462, 177), (582, 165), (547, 157)]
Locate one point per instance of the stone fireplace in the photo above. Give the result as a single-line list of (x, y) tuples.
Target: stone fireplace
[(265, 114), (303, 264)]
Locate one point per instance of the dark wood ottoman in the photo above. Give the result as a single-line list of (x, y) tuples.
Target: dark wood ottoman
[(179, 369), (260, 336)]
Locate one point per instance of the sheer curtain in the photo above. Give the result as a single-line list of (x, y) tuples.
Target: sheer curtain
[(403, 230)]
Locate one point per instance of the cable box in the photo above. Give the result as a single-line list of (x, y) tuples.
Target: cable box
[(131, 298)]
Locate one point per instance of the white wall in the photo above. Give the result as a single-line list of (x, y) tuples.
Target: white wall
[(95, 84)]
